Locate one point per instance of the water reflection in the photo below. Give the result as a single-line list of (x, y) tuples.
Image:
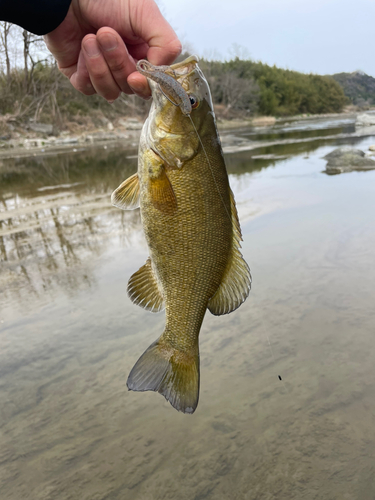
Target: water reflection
[(56, 218)]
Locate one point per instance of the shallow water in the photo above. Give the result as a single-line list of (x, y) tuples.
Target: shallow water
[(69, 337)]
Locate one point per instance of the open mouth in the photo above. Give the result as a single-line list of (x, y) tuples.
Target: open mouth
[(186, 67)]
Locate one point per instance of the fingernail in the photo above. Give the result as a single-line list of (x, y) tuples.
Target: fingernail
[(91, 47), (108, 41)]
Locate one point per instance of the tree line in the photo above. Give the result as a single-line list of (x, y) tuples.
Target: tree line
[(32, 88), (256, 88)]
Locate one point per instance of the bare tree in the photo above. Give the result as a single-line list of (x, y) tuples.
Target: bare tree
[(33, 51), (26, 55), (5, 28)]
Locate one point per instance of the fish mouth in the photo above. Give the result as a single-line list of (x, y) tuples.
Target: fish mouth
[(180, 72), (189, 60), (186, 67)]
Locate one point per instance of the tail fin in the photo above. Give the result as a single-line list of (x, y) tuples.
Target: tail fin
[(171, 372)]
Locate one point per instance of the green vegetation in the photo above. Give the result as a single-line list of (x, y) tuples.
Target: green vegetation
[(254, 87), (358, 87)]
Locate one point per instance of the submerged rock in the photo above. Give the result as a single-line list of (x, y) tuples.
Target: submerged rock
[(347, 159)]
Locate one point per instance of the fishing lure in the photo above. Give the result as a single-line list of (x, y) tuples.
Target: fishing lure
[(170, 87)]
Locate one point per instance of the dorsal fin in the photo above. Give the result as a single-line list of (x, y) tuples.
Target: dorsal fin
[(236, 283), (143, 289), (126, 196)]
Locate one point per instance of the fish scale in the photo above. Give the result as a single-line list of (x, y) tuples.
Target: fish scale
[(191, 227)]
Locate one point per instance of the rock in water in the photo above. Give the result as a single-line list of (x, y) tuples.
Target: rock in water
[(342, 151), (347, 159)]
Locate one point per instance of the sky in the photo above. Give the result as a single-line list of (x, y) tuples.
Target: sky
[(312, 36)]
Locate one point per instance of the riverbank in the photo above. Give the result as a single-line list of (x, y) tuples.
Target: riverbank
[(37, 139)]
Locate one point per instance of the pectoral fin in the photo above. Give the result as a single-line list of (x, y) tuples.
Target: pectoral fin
[(236, 283), (160, 189), (162, 194), (126, 196), (143, 289)]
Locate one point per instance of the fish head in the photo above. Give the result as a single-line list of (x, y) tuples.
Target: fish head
[(174, 132)]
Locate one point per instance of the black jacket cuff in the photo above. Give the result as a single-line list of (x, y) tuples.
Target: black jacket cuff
[(37, 16)]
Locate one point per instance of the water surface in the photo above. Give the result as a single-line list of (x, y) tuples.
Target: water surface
[(69, 337)]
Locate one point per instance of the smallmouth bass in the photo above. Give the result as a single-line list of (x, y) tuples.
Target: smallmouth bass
[(191, 226)]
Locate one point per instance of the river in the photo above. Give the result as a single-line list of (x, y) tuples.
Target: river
[(69, 335)]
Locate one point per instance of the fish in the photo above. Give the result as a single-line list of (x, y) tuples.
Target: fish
[(191, 225)]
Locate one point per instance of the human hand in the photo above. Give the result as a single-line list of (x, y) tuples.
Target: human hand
[(99, 42)]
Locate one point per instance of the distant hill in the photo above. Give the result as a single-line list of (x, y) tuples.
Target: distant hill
[(358, 87)]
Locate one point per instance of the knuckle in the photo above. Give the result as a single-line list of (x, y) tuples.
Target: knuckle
[(99, 74), (118, 66)]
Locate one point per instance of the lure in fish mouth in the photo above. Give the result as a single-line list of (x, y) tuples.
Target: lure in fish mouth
[(191, 225), (169, 86)]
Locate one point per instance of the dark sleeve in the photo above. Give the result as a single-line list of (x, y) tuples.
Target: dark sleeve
[(37, 16)]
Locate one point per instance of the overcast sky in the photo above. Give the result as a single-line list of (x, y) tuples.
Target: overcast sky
[(318, 36)]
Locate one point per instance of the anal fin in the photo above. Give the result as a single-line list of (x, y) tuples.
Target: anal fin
[(234, 287), (126, 196), (143, 289), (236, 282)]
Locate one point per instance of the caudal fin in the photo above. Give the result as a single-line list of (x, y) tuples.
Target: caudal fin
[(171, 372)]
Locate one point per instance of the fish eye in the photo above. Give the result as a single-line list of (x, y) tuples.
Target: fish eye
[(193, 101)]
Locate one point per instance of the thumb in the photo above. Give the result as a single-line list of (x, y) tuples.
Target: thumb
[(149, 25)]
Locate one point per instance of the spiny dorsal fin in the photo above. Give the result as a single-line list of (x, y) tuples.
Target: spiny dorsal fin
[(161, 192), (143, 289), (126, 196), (236, 283)]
